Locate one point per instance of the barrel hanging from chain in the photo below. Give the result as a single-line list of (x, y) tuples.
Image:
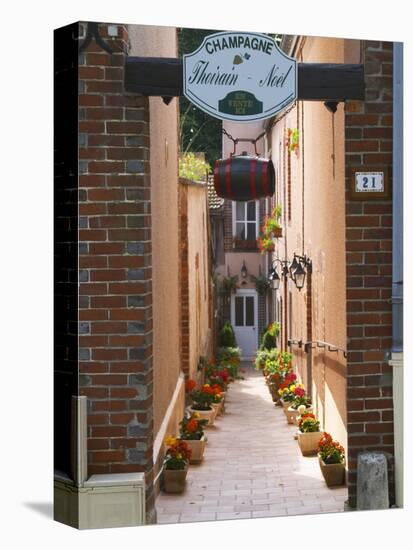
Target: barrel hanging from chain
[(244, 178)]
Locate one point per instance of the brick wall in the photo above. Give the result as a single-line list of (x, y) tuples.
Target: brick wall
[(184, 277), (115, 318), (228, 226), (368, 127)]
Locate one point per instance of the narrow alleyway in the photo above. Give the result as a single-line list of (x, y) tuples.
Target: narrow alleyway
[(252, 466)]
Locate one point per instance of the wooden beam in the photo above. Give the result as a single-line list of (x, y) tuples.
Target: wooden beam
[(156, 76)]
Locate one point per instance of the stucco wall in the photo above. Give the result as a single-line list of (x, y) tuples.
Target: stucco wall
[(162, 42), (317, 229), (200, 333)]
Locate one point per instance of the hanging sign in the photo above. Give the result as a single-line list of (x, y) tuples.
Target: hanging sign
[(240, 76)]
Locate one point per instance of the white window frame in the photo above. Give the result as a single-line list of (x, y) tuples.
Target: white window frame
[(244, 293), (234, 221)]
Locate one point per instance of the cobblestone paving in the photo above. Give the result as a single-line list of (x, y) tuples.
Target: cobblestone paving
[(252, 466)]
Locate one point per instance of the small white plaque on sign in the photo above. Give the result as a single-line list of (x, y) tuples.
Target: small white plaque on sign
[(369, 182)]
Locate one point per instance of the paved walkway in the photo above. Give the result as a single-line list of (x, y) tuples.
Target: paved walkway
[(252, 466)]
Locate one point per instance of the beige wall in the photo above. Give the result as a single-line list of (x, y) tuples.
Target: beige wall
[(317, 229), (162, 42), (253, 260), (200, 332)]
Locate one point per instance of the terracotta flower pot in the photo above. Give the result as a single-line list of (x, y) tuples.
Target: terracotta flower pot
[(205, 415), (333, 473), (308, 442), (197, 447), (277, 232), (285, 404), (217, 408), (174, 481), (274, 392), (292, 414)]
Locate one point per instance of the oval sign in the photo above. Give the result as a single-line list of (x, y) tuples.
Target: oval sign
[(240, 76)]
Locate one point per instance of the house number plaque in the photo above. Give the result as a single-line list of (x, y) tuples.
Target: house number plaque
[(369, 182), (372, 185)]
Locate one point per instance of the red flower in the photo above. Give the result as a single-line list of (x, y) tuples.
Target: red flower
[(190, 385), (192, 425)]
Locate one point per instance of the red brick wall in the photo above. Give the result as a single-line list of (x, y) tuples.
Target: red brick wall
[(115, 343), (184, 277), (368, 127), (228, 237)]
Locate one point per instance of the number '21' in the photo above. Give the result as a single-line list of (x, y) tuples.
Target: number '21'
[(366, 182)]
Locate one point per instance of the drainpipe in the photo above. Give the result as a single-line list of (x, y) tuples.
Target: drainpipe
[(397, 273)]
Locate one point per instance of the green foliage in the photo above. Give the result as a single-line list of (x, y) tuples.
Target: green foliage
[(192, 167), (228, 284), (230, 358), (227, 336), (269, 339), (262, 285), (309, 424), (199, 132), (263, 355)]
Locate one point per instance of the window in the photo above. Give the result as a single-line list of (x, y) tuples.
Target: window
[(245, 217), (244, 311)]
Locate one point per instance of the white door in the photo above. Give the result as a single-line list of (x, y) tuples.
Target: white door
[(244, 319)]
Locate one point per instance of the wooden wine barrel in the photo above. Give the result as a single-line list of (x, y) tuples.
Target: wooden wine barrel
[(243, 178)]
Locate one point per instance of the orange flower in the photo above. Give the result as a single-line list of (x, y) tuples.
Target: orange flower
[(190, 385), (192, 425)]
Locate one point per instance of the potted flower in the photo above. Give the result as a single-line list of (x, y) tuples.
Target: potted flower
[(190, 385), (300, 398), (175, 465), (202, 403), (216, 400), (292, 141), (192, 433), (332, 460), (265, 243), (286, 390), (272, 223), (308, 433), (220, 378)]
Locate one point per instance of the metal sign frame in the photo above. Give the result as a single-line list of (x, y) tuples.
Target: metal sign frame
[(240, 63)]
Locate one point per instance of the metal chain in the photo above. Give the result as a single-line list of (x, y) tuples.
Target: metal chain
[(235, 140)]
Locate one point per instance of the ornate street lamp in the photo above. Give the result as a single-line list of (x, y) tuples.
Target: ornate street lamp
[(299, 276), (297, 270), (293, 266), (274, 278)]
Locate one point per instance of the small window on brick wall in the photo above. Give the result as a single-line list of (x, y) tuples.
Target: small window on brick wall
[(245, 220)]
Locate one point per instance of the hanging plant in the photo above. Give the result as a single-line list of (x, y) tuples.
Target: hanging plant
[(293, 140), (262, 285), (271, 229), (229, 284), (265, 244), (272, 223)]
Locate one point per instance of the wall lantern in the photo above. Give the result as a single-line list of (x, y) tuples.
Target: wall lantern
[(274, 278), (297, 270), (244, 270), (298, 276), (293, 266)]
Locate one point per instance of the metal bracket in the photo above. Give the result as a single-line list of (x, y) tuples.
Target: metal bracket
[(93, 33)]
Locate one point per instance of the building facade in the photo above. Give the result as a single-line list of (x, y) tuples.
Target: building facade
[(339, 326), (132, 248)]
